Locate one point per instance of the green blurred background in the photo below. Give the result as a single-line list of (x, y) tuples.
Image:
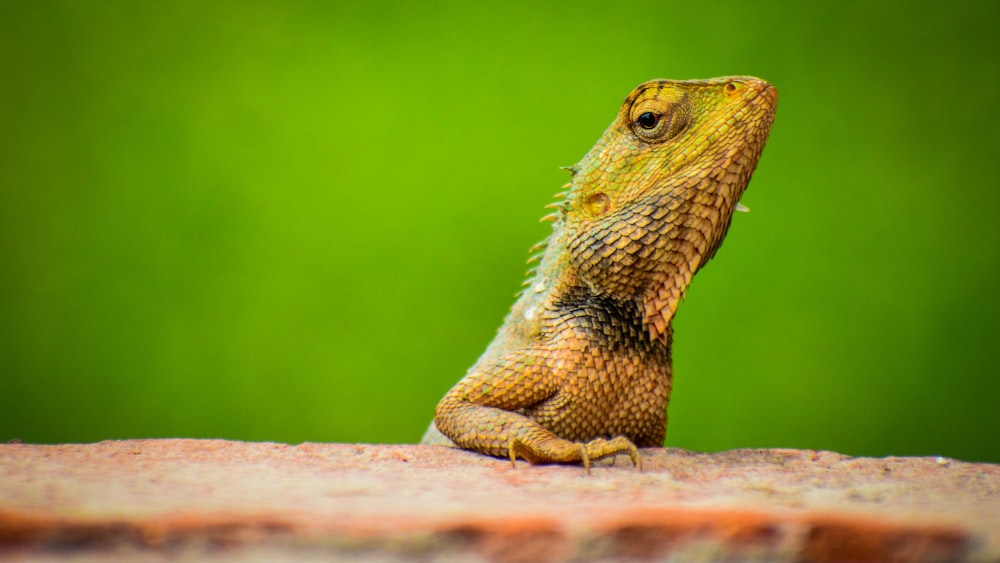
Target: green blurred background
[(302, 221)]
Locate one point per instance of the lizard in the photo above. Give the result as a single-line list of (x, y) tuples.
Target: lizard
[(581, 368)]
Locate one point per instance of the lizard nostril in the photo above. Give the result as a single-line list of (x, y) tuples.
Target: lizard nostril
[(731, 88), (598, 204)]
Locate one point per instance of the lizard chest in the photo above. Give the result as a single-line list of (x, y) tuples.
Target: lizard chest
[(612, 379)]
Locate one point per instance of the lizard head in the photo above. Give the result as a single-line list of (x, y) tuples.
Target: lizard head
[(652, 201)]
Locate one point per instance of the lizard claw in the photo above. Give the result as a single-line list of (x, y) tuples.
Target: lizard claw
[(514, 447), (569, 452), (601, 448)]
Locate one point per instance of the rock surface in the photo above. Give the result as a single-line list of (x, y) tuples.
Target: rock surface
[(194, 500)]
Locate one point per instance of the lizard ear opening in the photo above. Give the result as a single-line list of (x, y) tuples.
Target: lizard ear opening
[(598, 204)]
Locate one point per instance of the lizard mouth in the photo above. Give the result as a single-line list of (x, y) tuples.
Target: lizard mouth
[(758, 108), (757, 114), (763, 88), (764, 101), (768, 91), (772, 94)]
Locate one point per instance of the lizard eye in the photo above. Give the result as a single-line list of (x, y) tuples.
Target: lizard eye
[(658, 119), (648, 120)]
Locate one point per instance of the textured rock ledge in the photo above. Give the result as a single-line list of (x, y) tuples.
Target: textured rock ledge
[(236, 501)]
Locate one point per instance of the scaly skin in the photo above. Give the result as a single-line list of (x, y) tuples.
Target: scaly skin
[(580, 369)]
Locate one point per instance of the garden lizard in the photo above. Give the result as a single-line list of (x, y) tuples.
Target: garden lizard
[(581, 368)]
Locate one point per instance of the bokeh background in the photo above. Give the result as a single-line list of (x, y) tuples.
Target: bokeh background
[(299, 221)]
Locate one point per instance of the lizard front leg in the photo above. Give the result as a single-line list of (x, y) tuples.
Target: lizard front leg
[(480, 413)]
